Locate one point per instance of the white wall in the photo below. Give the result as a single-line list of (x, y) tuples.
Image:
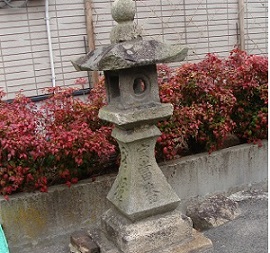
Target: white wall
[(24, 53), (203, 25)]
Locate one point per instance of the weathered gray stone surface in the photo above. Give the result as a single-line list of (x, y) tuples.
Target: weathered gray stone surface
[(197, 244), (212, 212), (130, 54), (140, 189), (81, 242), (133, 87), (149, 234), (123, 32), (256, 192), (142, 217), (136, 116), (123, 12), (169, 232)]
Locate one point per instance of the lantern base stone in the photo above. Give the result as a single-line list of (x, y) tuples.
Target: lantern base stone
[(171, 232)]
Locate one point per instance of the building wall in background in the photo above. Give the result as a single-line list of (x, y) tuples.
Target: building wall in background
[(24, 50), (203, 25), (256, 23)]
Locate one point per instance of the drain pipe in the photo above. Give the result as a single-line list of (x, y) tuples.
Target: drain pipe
[(47, 19)]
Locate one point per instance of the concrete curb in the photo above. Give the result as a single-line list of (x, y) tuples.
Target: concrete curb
[(30, 218)]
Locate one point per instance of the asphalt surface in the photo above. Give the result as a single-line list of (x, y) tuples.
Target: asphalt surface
[(248, 233)]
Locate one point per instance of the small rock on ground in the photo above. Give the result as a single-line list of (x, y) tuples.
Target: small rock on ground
[(212, 212)]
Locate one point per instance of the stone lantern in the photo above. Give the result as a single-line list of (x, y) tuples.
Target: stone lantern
[(143, 215)]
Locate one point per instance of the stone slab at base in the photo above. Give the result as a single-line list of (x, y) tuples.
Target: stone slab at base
[(146, 234), (198, 244), (171, 232)]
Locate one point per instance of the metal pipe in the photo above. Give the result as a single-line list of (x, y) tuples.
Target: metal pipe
[(47, 19)]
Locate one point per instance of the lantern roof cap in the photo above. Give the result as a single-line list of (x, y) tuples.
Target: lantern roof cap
[(128, 49), (128, 54)]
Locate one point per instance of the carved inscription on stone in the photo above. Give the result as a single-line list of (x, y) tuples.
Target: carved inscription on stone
[(144, 168), (123, 182)]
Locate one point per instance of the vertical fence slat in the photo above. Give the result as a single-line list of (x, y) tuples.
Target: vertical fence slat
[(241, 18), (90, 33)]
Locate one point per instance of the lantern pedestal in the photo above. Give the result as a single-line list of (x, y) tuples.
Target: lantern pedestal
[(140, 189)]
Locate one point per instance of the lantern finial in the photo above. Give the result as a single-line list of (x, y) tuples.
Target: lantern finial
[(123, 12)]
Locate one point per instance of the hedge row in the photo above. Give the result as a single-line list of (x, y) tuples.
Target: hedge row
[(63, 140)]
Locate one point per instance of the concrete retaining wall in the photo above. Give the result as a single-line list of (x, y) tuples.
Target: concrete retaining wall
[(224, 171), (30, 218)]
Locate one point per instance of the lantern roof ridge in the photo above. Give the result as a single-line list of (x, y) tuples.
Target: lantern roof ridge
[(130, 54)]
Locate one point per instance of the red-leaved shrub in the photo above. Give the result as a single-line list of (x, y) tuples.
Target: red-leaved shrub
[(211, 99), (22, 146), (62, 140), (247, 77), (77, 140)]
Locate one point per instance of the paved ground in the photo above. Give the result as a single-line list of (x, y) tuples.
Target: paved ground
[(246, 234)]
